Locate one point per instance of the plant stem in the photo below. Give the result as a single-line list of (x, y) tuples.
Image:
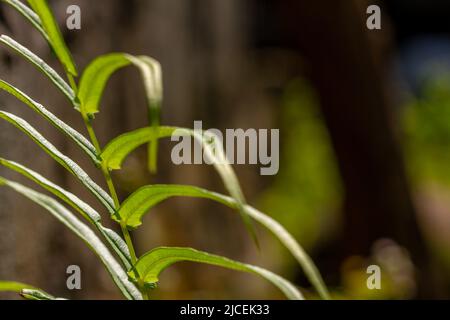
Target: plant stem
[(113, 192), (143, 289), (129, 243), (111, 187), (92, 135), (72, 83), (105, 171)]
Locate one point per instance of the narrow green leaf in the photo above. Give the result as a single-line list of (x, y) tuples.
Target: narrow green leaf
[(151, 264), (152, 78), (116, 242), (62, 159), (29, 14), (32, 294), (84, 232), (41, 65), (214, 151), (13, 286), (97, 74), (118, 149), (55, 37), (142, 200), (118, 245), (305, 261), (94, 79), (27, 291), (83, 208), (77, 137)]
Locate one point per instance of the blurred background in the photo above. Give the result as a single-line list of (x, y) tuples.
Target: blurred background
[(364, 119)]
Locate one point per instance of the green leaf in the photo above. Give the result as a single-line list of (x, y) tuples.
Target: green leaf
[(94, 79), (97, 74), (55, 37), (29, 14), (151, 264), (118, 149), (305, 261), (12, 286), (214, 151), (142, 200), (77, 137), (152, 78), (62, 159), (41, 65), (82, 231), (83, 208), (32, 294), (116, 242), (27, 291)]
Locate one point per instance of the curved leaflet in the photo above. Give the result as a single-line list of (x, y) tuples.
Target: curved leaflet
[(151, 264), (63, 160), (116, 242), (81, 230), (142, 200)]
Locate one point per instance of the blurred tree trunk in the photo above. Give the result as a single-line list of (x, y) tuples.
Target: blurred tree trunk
[(34, 247), (201, 47), (29, 236), (345, 68)]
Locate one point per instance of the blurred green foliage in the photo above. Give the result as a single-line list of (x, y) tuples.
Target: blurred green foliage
[(306, 193), (426, 124)]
